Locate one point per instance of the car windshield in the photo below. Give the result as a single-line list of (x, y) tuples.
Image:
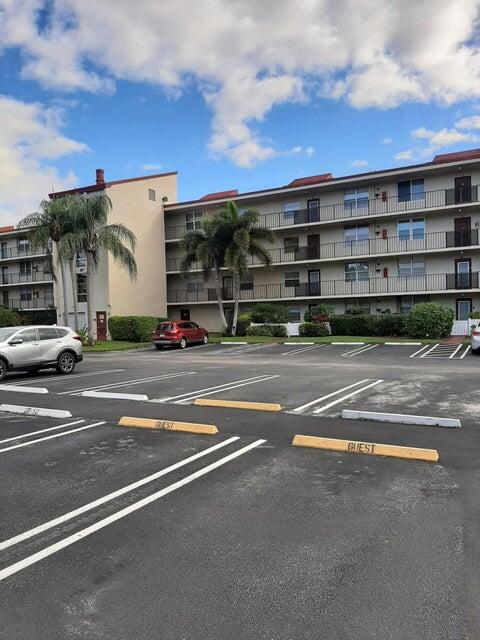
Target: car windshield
[(6, 332), (165, 326)]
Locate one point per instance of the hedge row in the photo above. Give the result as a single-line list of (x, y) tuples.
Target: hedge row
[(389, 324), (133, 328), (273, 330), (313, 329)]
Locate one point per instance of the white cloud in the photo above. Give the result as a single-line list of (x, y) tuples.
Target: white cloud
[(387, 140), (358, 164), (151, 166), (404, 155), (309, 151), (442, 137), (30, 139), (246, 57), (472, 122)]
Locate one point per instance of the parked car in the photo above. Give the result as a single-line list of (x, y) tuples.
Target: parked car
[(178, 334), (31, 348), (475, 339)]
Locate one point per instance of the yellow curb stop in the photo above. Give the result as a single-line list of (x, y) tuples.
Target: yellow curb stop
[(237, 404), (368, 448), (168, 425)]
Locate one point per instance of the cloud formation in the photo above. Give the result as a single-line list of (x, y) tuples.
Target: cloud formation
[(246, 57)]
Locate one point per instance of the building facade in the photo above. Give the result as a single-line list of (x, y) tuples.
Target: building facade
[(376, 242), (26, 279)]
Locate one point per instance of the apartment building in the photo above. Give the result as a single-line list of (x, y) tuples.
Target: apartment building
[(26, 280), (376, 242)]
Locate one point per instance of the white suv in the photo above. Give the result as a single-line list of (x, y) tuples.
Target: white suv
[(31, 348)]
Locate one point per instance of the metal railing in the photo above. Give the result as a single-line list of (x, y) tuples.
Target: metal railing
[(9, 253), (34, 303), (371, 246), (332, 288), (25, 278), (379, 206)]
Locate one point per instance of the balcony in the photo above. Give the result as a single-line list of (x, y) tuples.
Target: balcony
[(14, 253), (362, 248), (393, 285), (345, 211), (30, 305), (34, 277)]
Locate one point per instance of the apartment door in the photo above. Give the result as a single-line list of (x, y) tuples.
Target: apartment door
[(463, 189), (101, 325), (464, 307), (227, 287), (5, 298), (314, 282), (463, 273), (313, 246), (4, 275), (313, 210), (463, 232), (4, 250)]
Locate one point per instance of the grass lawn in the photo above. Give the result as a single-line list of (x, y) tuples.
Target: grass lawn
[(114, 345), (328, 339)]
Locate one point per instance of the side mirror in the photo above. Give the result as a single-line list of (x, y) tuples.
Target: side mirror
[(15, 341)]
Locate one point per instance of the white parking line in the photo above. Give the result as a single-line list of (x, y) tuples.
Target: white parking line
[(295, 351), (59, 378), (329, 395), (465, 352), (349, 395), (218, 386), (235, 386), (456, 350), (356, 352), (111, 496), (414, 355), (128, 383), (34, 433), (56, 435), (427, 352), (83, 533)]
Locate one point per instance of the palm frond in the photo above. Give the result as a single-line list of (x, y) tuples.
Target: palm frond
[(119, 231), (120, 253)]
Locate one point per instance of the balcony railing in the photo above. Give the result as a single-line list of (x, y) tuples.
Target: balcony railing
[(336, 288), (371, 246), (9, 253), (25, 278), (34, 303), (344, 211)]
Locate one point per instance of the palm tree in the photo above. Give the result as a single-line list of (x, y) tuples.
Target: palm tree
[(91, 234), (206, 247), (50, 225), (246, 241)]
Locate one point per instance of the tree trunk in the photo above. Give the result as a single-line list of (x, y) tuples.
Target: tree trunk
[(73, 274), (64, 291), (90, 310), (218, 291), (236, 288)]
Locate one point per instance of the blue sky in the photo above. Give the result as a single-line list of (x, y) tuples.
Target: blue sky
[(135, 91)]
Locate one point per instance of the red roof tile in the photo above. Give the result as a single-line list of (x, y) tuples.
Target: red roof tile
[(6, 229), (457, 156), (220, 195), (300, 182)]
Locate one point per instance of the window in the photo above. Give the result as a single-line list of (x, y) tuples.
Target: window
[(25, 295), (357, 307), (47, 333), (195, 282), (246, 283), (81, 260), (29, 335), (25, 268), (81, 287), (411, 266), (289, 210), (193, 220), (407, 302), (290, 245), (23, 245), (411, 229), (152, 195), (353, 235), (185, 314), (411, 190), (61, 333), (292, 278), (356, 271), (355, 198), (294, 313)]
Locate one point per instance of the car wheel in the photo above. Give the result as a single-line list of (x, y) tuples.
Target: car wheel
[(66, 363), (183, 343), (3, 369), (159, 346), (205, 339)]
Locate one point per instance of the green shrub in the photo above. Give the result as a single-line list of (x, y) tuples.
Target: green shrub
[(318, 311), (133, 328), (474, 314), (273, 330), (9, 317), (350, 324), (429, 320), (392, 324), (313, 329), (270, 313), (243, 322)]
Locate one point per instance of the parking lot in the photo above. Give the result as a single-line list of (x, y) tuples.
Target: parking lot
[(121, 532)]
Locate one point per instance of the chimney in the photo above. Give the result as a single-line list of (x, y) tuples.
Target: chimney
[(100, 176)]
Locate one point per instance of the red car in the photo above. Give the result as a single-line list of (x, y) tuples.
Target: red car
[(178, 334)]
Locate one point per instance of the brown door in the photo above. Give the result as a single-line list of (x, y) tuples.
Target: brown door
[(314, 282), (463, 189), (313, 246), (101, 325), (463, 232)]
